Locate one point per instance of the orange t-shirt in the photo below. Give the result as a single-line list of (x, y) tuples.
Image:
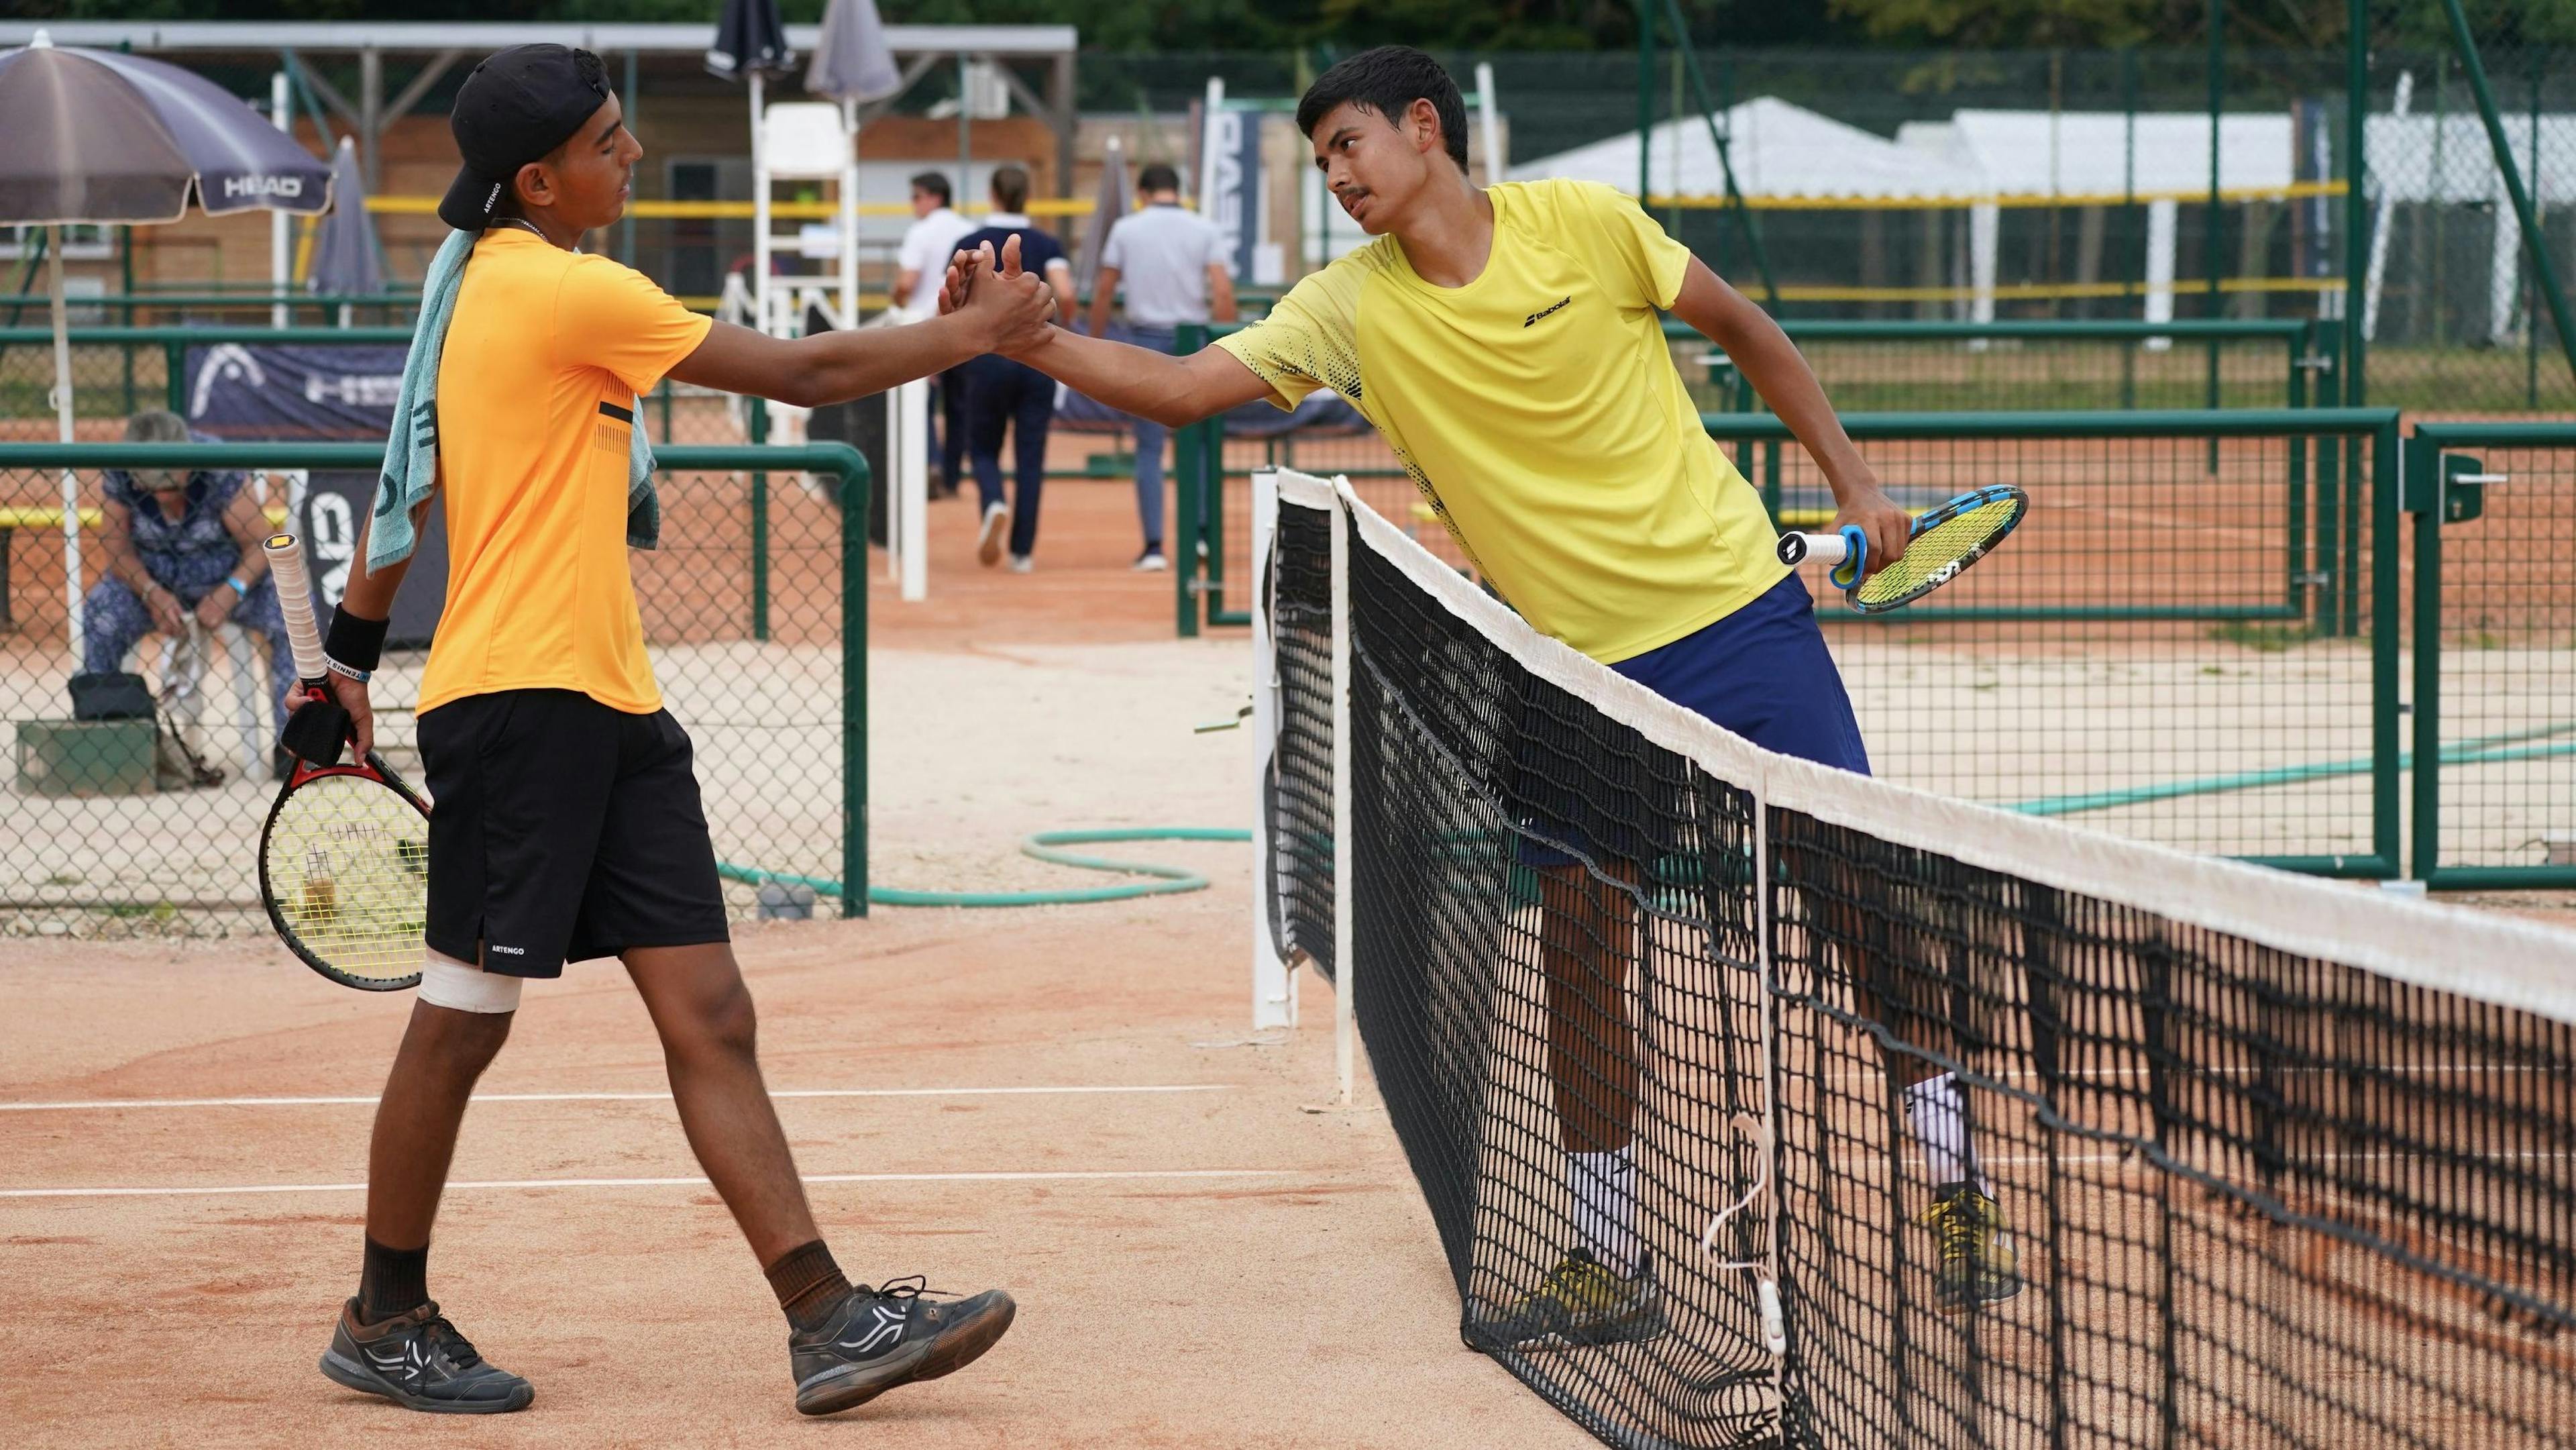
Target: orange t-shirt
[(545, 355)]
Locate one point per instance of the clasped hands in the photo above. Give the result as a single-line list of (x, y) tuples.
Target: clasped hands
[(1022, 300)]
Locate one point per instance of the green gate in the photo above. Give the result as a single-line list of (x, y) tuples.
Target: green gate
[(2494, 508)]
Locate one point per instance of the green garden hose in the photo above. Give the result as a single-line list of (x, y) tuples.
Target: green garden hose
[(1044, 846)]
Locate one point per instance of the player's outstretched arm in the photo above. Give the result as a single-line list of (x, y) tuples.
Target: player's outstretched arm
[(1775, 368), (1172, 391), (832, 367)]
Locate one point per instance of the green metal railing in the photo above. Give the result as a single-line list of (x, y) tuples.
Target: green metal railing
[(2494, 714), (1923, 366), (843, 619), (32, 350), (172, 343)]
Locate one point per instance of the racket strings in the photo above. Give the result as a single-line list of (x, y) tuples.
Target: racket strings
[(1940, 550), (347, 865)]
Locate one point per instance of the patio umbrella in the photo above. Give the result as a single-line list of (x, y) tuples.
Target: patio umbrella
[(101, 138), (346, 260)]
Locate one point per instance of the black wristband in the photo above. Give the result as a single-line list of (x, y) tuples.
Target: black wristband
[(353, 641)]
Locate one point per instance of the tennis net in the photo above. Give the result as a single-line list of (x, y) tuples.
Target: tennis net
[(1692, 1047)]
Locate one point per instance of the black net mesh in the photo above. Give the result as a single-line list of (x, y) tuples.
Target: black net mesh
[(1298, 793), (2028, 1166)]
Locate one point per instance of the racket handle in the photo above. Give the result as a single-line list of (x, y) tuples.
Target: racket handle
[(1847, 552), (295, 601)]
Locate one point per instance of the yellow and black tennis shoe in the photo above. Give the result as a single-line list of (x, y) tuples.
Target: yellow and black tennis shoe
[(1582, 1301), (1978, 1263)]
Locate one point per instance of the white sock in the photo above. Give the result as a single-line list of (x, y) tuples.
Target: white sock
[(1941, 1126), (1605, 1206)]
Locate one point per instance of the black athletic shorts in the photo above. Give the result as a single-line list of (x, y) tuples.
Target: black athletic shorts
[(560, 829)]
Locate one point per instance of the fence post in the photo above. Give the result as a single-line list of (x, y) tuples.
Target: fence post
[(2356, 206), (855, 486), (759, 527), (2424, 481), (174, 380), (1189, 458), (2542, 267)]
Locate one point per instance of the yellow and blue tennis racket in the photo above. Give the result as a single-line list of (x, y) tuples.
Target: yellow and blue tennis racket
[(1946, 540)]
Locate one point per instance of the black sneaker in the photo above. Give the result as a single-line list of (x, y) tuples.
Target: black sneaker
[(419, 1361), (879, 1338)]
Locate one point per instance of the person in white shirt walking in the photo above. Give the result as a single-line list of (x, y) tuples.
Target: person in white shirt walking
[(920, 265), (1173, 265)]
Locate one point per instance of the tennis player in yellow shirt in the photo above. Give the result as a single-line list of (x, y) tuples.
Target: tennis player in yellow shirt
[(1506, 342)]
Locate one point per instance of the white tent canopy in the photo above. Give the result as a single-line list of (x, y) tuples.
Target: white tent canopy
[(2090, 153), (1780, 151), (2161, 157)]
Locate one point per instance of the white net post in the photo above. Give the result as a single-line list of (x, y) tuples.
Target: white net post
[(1345, 964), (1274, 984)]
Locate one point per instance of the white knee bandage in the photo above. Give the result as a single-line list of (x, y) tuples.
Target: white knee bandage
[(464, 987)]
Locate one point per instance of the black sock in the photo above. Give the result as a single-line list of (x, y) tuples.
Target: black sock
[(394, 1281), (808, 1284)]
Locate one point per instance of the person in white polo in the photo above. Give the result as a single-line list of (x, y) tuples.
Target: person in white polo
[(1173, 265), (919, 266)]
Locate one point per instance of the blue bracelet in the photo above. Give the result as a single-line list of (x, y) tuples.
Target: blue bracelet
[(240, 590)]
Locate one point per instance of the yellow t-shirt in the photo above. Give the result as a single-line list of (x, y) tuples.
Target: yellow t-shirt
[(1539, 412), (545, 355)]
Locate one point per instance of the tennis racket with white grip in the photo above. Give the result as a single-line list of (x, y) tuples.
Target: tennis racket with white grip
[(344, 856)]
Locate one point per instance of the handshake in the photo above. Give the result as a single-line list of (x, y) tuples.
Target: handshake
[(1014, 308)]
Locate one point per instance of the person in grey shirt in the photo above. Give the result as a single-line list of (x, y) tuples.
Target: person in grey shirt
[(1172, 263)]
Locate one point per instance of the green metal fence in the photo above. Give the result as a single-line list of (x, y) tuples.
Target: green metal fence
[(2200, 653), (755, 607), (2494, 512), (1922, 367), (117, 371)]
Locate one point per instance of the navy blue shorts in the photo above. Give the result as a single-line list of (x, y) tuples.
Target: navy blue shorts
[(1762, 672)]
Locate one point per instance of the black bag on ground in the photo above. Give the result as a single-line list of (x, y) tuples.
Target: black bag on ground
[(110, 696)]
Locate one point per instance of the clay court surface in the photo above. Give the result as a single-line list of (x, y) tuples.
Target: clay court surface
[(1062, 1100)]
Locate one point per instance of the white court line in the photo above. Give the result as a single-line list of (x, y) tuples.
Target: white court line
[(121, 1104), (1103, 1176)]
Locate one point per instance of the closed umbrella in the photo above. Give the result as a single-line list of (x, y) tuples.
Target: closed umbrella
[(346, 260), (852, 62), (101, 138), (853, 65), (1106, 209)]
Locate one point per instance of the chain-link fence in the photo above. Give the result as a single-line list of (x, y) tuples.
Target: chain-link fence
[(754, 607), (2454, 309), (250, 381)]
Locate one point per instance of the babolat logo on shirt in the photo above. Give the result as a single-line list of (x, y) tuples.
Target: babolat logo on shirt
[(1532, 320)]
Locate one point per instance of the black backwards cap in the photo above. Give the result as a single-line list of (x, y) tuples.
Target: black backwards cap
[(516, 107)]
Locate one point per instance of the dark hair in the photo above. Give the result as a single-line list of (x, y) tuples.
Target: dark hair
[(935, 184), (1010, 188), (1158, 177), (1388, 79)]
